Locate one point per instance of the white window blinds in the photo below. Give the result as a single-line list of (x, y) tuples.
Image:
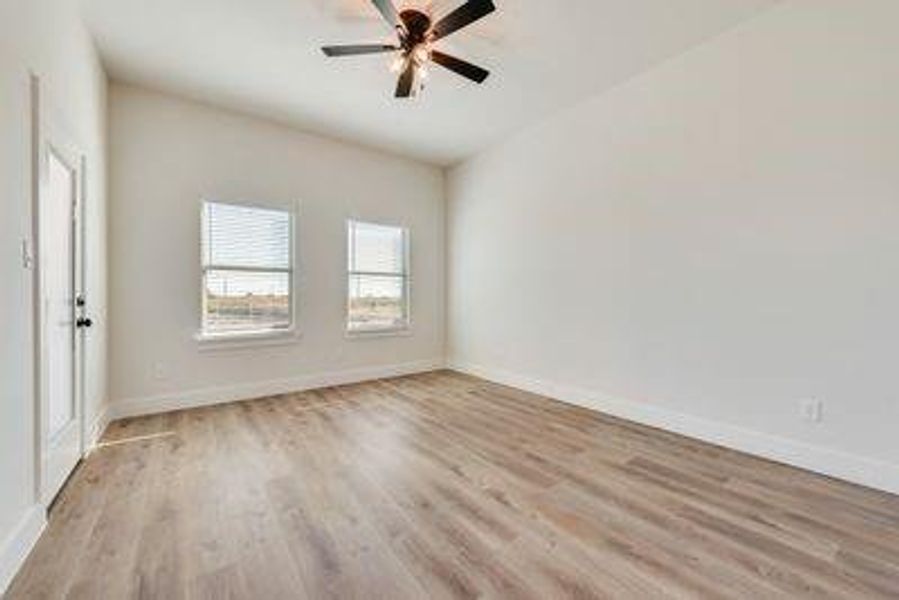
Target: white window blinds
[(247, 269), (378, 277)]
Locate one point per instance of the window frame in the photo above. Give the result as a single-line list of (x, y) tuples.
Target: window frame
[(259, 337), (403, 329)]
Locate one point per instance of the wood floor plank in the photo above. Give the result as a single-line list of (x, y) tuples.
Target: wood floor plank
[(441, 485)]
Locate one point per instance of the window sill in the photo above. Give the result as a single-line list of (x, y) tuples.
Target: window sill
[(238, 341), (364, 334)]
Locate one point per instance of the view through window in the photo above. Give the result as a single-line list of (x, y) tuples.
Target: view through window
[(247, 269), (378, 277)]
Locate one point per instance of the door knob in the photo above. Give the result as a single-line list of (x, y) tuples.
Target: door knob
[(84, 322)]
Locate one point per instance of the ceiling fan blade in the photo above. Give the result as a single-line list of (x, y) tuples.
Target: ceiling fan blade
[(388, 11), (407, 79), (463, 16), (463, 68), (355, 49)]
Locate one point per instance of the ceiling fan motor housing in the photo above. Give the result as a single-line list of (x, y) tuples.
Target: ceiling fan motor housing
[(417, 25)]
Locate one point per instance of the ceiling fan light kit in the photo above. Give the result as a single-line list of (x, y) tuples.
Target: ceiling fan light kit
[(416, 35)]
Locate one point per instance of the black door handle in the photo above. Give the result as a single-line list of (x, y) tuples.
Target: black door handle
[(84, 322)]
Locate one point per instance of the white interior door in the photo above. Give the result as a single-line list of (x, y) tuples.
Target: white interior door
[(59, 238)]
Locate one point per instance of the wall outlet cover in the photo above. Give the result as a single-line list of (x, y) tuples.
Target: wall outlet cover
[(159, 371), (811, 410)]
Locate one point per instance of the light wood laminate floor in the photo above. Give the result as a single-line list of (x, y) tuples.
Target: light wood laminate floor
[(445, 486)]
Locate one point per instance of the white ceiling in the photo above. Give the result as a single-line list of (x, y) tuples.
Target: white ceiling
[(262, 57)]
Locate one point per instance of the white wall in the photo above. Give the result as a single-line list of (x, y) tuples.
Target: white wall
[(46, 38), (167, 154), (706, 245)]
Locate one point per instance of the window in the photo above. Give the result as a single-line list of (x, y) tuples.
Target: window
[(247, 270), (378, 298)]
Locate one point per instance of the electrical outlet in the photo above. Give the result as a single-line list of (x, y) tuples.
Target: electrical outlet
[(811, 410), (159, 371)]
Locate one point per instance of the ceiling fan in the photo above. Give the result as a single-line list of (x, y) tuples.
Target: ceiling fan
[(416, 34)]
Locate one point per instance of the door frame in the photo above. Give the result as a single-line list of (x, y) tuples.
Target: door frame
[(50, 133)]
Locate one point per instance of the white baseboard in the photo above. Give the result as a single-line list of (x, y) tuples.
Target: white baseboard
[(134, 407), (16, 547), (833, 463), (97, 428)]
